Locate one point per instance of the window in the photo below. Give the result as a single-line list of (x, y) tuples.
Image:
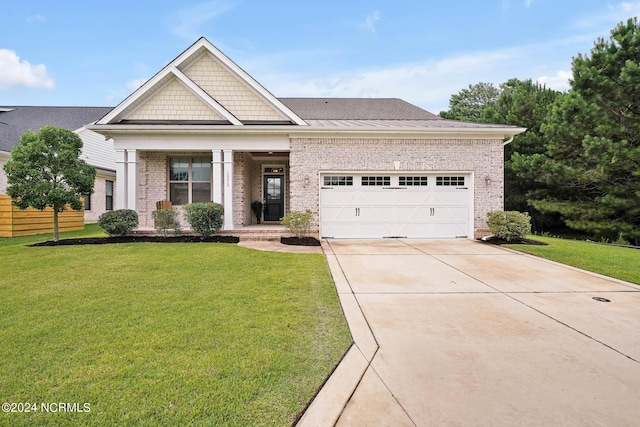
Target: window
[(108, 191), (412, 180), (189, 180), (376, 180), (338, 180), (87, 202), (453, 181)]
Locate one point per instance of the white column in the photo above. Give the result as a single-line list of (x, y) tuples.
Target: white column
[(121, 179), (132, 175), (228, 189), (217, 175)]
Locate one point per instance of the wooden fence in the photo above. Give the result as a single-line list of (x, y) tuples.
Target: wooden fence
[(14, 222)]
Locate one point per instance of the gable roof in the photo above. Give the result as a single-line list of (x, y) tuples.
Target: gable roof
[(206, 90), (16, 120), (357, 109)]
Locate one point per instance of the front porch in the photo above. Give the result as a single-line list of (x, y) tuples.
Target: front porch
[(234, 179)]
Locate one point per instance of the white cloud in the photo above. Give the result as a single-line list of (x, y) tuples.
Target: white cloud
[(15, 72), (187, 23), (559, 81), (370, 21), (36, 18)]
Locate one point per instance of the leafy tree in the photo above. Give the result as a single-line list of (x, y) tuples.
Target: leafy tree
[(469, 104), (526, 104), (45, 171), (590, 170)]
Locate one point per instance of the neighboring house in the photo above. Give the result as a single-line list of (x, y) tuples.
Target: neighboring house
[(203, 129), (16, 120)]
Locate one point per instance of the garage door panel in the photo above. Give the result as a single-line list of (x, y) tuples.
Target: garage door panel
[(392, 210), (375, 213), (448, 213), (338, 213), (455, 197)]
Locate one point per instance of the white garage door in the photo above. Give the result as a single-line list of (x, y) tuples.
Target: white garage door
[(379, 205)]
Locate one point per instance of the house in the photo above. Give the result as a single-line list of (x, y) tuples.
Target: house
[(203, 129), (16, 120)]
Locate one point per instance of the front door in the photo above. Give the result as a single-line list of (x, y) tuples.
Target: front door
[(273, 197)]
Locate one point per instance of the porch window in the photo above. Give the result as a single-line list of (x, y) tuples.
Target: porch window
[(189, 180), (87, 202)]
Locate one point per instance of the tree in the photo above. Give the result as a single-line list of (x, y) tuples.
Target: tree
[(45, 171), (526, 104), (590, 170), (469, 104)]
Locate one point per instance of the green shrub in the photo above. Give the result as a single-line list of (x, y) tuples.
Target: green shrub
[(204, 218), (118, 222), (298, 223), (509, 225), (165, 221)]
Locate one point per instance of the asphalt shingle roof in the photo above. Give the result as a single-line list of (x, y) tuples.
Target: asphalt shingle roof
[(16, 120), (356, 109)]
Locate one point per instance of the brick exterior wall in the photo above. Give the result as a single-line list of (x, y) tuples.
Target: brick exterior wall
[(98, 198), (174, 102), (310, 156), (3, 178), (230, 92)]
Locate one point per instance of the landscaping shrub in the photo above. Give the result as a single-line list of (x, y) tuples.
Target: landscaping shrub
[(165, 221), (509, 225), (118, 222), (204, 218), (298, 223)]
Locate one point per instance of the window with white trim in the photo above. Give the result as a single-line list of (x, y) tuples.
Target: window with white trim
[(108, 191), (453, 181), (339, 180), (189, 180), (412, 180), (376, 180)]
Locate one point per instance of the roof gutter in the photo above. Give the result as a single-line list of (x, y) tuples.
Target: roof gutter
[(302, 131)]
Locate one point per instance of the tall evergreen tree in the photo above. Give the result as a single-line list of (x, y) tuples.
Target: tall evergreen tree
[(526, 104), (590, 171)]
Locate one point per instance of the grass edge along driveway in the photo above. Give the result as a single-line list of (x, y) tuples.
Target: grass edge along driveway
[(156, 334), (617, 262)]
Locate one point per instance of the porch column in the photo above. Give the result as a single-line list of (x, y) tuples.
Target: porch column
[(132, 178), (216, 163), (228, 189), (121, 179)]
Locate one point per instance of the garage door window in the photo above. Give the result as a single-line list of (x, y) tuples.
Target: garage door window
[(450, 181), (412, 180), (338, 180), (376, 180)]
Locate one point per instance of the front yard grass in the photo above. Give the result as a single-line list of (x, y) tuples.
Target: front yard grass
[(157, 334), (621, 263)]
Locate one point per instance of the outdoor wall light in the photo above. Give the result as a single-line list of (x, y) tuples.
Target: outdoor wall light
[(487, 180), (306, 180)]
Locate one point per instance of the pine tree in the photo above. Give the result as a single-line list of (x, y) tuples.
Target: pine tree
[(590, 171)]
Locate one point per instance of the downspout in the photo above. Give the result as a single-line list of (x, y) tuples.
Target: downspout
[(508, 141)]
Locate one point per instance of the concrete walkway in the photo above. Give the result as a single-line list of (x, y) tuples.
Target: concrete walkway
[(462, 333)]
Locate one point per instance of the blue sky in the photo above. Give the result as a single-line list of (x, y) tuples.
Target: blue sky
[(97, 53)]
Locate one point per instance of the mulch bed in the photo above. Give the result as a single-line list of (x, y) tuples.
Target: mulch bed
[(493, 240), (300, 241), (139, 239)]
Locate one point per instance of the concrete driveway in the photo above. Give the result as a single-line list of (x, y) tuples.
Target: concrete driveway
[(459, 333)]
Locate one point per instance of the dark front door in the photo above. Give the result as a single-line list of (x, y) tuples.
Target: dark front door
[(273, 197)]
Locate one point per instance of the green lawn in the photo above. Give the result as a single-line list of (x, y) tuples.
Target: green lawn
[(621, 263), (169, 335)]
